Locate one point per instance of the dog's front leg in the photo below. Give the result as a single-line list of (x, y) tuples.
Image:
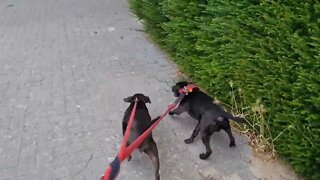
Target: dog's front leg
[(155, 120), (124, 127), (180, 109), (195, 133)]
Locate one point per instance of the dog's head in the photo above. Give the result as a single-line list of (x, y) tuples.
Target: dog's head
[(139, 97), (179, 85)]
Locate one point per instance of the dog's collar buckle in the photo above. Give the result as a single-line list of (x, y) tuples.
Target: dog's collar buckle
[(187, 89)]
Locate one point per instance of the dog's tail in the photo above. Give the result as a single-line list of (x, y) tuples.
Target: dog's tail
[(230, 116)]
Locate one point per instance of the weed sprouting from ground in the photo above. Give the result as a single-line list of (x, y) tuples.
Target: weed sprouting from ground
[(256, 127)]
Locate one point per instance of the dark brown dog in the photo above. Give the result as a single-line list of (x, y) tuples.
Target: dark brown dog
[(141, 122), (211, 117)]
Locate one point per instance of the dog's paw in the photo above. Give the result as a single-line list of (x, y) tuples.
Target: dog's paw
[(204, 156), (188, 141), (232, 144)]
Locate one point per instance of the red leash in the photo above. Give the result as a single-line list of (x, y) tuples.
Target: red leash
[(113, 170)]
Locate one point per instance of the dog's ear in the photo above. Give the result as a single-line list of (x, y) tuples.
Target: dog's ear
[(146, 99), (182, 84), (129, 99)]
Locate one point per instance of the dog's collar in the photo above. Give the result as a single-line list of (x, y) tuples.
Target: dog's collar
[(187, 89)]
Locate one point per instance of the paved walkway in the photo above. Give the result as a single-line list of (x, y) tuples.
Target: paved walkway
[(65, 66)]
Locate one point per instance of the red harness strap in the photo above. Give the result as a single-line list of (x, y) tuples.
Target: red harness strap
[(113, 170)]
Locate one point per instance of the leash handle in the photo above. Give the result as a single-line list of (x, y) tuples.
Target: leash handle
[(112, 172)]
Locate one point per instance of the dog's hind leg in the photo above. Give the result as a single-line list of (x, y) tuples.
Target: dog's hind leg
[(152, 151), (229, 132), (195, 133), (129, 157), (206, 142)]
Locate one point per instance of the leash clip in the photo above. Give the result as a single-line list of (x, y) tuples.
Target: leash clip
[(186, 90)]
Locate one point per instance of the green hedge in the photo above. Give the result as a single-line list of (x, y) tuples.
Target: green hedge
[(268, 49)]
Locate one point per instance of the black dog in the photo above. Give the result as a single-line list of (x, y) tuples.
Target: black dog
[(211, 117), (141, 122)]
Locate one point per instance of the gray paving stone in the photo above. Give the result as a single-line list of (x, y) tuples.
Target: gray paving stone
[(247, 174)]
